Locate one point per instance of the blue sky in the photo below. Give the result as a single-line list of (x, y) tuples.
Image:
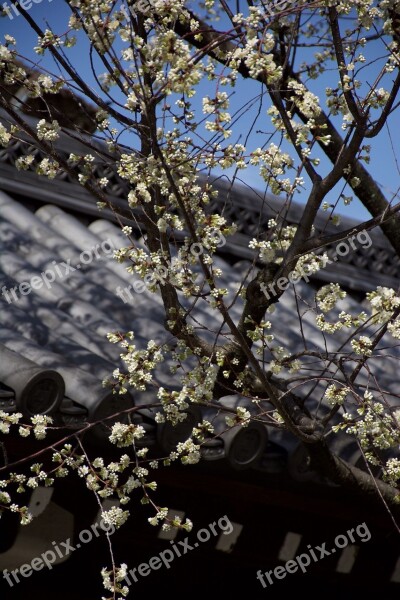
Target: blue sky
[(385, 148)]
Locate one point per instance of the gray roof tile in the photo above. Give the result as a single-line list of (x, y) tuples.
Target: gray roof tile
[(63, 325)]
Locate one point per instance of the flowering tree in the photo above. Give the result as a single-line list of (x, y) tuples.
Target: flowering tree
[(166, 75)]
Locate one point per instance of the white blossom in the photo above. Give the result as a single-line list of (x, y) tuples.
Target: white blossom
[(48, 131)]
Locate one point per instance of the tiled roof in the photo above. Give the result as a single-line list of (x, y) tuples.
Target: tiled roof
[(54, 353), (59, 321), (56, 310), (362, 270), (60, 325)]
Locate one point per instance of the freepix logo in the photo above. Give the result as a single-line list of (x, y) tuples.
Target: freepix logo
[(11, 10), (342, 249), (48, 277), (303, 561), (141, 7), (60, 550), (182, 547), (160, 273)]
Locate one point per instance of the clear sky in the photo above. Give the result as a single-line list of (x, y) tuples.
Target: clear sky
[(385, 148)]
